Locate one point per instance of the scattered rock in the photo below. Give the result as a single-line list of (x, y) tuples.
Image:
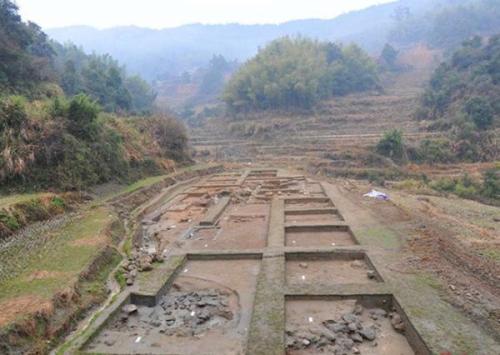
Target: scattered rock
[(350, 318), (358, 264), (352, 327), (397, 322), (377, 313), (130, 308), (109, 342), (357, 338), (368, 333), (304, 265), (371, 274), (358, 309)]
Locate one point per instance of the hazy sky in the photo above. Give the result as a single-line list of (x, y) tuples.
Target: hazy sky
[(170, 13)]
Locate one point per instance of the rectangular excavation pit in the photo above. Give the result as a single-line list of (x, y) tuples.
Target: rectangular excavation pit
[(242, 227), (215, 211), (221, 181), (315, 189), (308, 202), (207, 306), (313, 215), (207, 190), (349, 324), (329, 269), (262, 175), (319, 236)]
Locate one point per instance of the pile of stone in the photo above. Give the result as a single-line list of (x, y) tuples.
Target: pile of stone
[(193, 313), (343, 335), (178, 313), (139, 261)]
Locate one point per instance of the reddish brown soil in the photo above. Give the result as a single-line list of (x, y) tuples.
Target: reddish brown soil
[(327, 272), (318, 238)]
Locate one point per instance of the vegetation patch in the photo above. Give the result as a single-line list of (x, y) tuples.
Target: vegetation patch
[(29, 209), (298, 73), (462, 97)]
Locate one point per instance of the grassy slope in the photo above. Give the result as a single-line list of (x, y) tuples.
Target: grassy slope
[(77, 244), (7, 201)]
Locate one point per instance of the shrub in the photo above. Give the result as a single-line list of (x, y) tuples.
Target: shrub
[(391, 146), (34, 210), (491, 184), (479, 111), (443, 185), (435, 151), (58, 202), (9, 221), (12, 112), (465, 191), (82, 117)]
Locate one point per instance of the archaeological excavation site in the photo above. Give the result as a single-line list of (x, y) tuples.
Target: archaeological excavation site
[(252, 261), (237, 177)]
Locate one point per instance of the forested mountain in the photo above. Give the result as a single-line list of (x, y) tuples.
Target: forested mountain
[(155, 54), (446, 26), (53, 133)]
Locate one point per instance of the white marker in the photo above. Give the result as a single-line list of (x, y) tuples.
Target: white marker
[(193, 313), (138, 339), (303, 277), (186, 270), (311, 319), (333, 244)]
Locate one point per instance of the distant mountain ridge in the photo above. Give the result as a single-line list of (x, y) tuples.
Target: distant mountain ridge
[(158, 54)]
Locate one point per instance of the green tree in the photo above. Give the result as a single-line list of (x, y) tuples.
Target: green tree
[(143, 96), (389, 57), (392, 146), (491, 184), (25, 55), (480, 111), (82, 117)]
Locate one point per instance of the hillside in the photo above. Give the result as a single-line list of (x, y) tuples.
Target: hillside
[(338, 132), (67, 118)]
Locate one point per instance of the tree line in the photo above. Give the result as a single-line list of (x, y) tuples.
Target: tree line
[(30, 62)]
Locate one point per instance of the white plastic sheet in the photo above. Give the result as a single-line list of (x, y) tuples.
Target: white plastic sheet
[(377, 195)]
